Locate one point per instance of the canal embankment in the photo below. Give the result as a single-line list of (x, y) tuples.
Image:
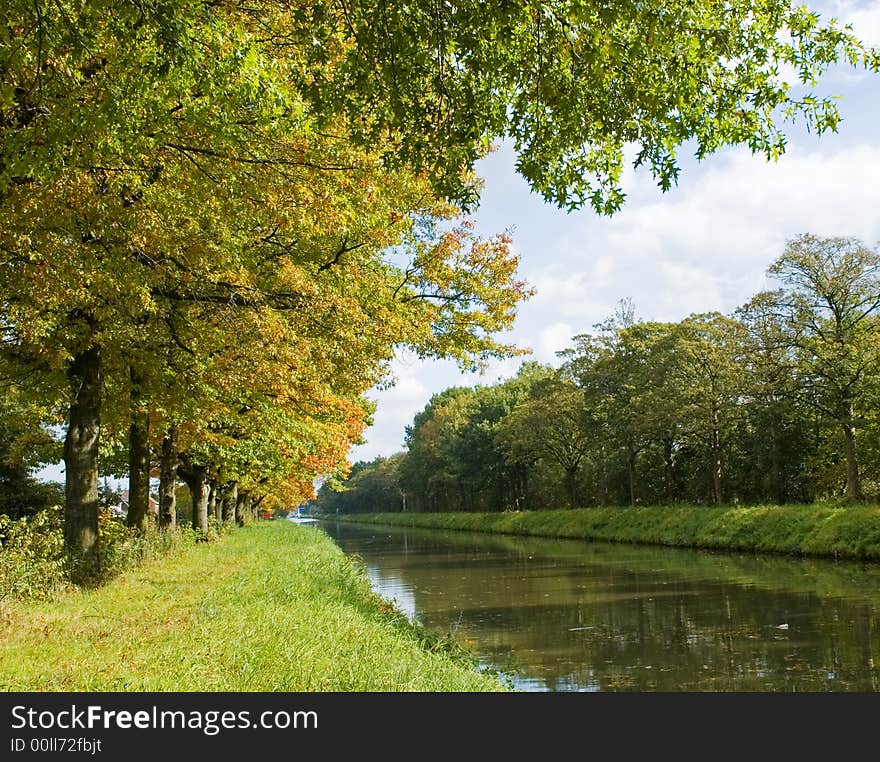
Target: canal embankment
[(272, 607), (819, 530)]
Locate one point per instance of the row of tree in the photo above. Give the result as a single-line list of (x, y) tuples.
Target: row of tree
[(777, 402), (218, 219), (202, 272)]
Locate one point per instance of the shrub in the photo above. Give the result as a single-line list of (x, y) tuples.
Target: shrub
[(32, 559), (122, 548), (33, 563)]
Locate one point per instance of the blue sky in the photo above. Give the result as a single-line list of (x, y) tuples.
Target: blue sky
[(704, 245)]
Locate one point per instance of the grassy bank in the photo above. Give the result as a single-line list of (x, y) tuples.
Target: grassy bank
[(813, 530), (275, 607)]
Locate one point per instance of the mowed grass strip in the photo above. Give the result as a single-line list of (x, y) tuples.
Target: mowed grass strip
[(812, 530), (275, 607)]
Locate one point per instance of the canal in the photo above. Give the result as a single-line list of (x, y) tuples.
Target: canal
[(559, 615)]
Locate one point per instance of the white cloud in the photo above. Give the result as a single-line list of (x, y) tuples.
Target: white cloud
[(706, 245), (864, 15), (396, 407), (552, 339)]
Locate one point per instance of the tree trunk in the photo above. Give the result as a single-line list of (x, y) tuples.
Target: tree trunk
[(716, 460), (229, 502), (168, 480), (853, 480), (138, 459), (667, 469), (777, 476), (81, 461), (213, 507), (716, 476), (604, 460), (199, 492), (241, 508), (571, 486), (200, 505), (631, 470), (196, 478)]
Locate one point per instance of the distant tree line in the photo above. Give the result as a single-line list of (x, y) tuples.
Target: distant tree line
[(775, 403)]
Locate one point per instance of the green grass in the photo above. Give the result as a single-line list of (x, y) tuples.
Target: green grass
[(812, 530), (275, 607)]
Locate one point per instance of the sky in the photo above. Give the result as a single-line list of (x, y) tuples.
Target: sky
[(702, 246)]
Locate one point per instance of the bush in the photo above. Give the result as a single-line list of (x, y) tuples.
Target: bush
[(33, 563), (32, 559), (217, 527), (121, 548)]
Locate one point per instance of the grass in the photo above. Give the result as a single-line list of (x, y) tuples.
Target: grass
[(274, 607), (809, 530)]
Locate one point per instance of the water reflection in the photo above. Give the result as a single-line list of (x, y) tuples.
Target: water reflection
[(563, 615)]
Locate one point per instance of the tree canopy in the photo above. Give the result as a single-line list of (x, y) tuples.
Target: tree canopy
[(573, 82), (570, 82)]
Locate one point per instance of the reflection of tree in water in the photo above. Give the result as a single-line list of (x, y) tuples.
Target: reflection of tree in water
[(636, 621), (693, 637)]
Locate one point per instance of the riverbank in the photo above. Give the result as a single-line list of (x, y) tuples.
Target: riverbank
[(807, 530), (273, 607)]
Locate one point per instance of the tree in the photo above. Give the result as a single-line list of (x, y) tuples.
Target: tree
[(25, 443), (371, 487), (454, 459), (710, 372), (627, 375), (552, 423), (777, 443), (240, 213), (570, 83), (657, 384), (431, 470), (830, 302), (651, 399)]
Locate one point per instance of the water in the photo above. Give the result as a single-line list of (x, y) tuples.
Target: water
[(558, 615)]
